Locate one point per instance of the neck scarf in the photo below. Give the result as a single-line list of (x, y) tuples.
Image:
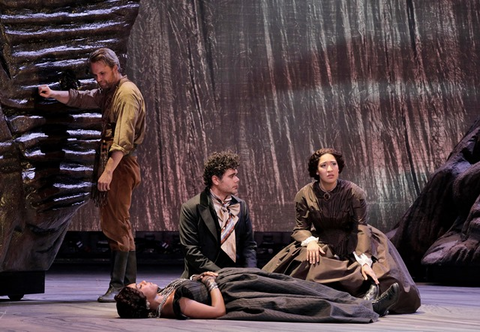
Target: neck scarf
[(227, 217)]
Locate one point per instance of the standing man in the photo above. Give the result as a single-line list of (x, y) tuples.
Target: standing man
[(215, 227), (117, 169)]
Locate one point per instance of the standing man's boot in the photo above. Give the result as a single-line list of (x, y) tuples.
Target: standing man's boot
[(117, 275), (131, 270)]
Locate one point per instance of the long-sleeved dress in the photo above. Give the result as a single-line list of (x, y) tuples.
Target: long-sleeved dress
[(338, 219), (253, 294)]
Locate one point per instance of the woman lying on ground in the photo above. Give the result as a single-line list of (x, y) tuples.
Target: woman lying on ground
[(250, 294)]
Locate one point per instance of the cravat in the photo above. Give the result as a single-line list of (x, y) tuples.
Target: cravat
[(228, 217)]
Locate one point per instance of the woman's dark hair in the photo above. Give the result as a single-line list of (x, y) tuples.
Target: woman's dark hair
[(315, 157), (131, 303), (217, 164)]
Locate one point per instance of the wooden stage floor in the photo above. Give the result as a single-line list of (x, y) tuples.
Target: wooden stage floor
[(69, 304)]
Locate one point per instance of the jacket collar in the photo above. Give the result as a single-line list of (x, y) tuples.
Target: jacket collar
[(207, 211)]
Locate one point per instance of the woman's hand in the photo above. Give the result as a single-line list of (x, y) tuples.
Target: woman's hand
[(209, 274), (313, 252), (208, 279), (368, 272), (199, 277), (194, 309)]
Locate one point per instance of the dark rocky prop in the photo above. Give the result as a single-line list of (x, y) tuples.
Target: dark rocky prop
[(441, 231), (47, 149)]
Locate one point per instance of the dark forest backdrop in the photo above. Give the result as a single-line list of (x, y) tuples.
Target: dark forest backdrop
[(390, 83)]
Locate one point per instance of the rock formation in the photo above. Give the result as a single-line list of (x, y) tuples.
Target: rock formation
[(47, 149), (441, 230)]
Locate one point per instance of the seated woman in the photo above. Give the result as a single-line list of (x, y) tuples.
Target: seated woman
[(333, 244), (249, 294)]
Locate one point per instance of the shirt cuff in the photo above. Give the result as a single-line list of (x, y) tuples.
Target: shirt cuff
[(308, 240), (363, 259)]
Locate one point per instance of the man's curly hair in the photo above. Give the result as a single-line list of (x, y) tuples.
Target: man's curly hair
[(217, 164), (315, 157), (131, 303)]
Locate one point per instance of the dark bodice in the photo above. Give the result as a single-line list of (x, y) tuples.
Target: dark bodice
[(336, 217), (194, 290)]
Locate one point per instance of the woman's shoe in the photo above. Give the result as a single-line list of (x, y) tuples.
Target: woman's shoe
[(385, 301), (372, 293)]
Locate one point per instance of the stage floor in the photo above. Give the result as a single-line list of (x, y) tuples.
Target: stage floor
[(69, 304)]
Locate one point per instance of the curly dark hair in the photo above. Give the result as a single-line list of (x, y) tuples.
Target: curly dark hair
[(217, 164), (131, 303), (315, 157)]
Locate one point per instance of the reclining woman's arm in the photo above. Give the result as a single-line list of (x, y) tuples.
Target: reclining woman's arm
[(194, 309)]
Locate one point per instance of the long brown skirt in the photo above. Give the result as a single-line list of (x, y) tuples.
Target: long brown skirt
[(346, 275)]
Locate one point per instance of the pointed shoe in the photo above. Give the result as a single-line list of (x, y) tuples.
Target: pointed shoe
[(385, 301)]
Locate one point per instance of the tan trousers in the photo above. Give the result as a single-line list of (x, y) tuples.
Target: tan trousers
[(115, 215)]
